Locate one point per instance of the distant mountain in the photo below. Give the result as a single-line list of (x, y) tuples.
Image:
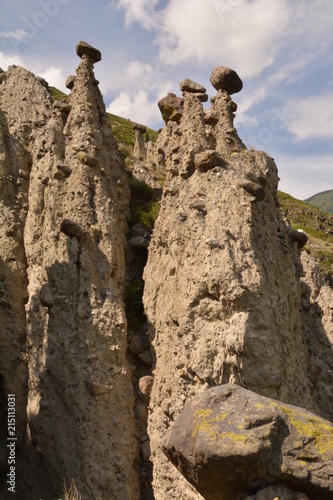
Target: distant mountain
[(323, 200)]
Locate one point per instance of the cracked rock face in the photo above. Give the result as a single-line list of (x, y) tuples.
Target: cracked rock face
[(63, 261), (222, 288)]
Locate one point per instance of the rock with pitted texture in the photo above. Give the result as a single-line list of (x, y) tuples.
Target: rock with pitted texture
[(227, 437), (83, 48), (223, 78), (70, 81), (171, 107), (189, 85)]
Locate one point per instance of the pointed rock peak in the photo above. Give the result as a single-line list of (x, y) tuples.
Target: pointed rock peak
[(223, 78), (83, 48)]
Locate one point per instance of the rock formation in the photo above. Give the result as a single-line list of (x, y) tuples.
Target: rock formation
[(64, 198), (222, 282), (227, 298), (228, 440)]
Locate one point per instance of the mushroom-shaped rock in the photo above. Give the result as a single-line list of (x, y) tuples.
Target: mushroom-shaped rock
[(299, 236), (83, 48), (207, 160), (252, 188), (139, 128), (188, 85), (70, 81), (171, 107), (223, 78), (227, 434)]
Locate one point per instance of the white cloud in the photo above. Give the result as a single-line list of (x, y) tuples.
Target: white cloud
[(54, 76), (17, 34), (142, 11), (8, 60), (311, 117), (305, 176), (240, 34), (136, 107)]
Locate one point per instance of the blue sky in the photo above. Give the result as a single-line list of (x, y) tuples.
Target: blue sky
[(282, 50)]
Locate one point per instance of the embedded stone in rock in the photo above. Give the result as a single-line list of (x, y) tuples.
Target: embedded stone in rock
[(201, 97), (171, 107), (146, 358), (210, 117), (70, 81), (83, 48), (138, 344), (227, 434), (223, 78), (73, 229), (207, 160), (252, 188), (146, 385), (64, 169), (189, 85), (299, 236), (138, 242), (45, 296)]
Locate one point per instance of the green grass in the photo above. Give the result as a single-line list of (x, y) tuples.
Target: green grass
[(145, 204), (323, 200), (57, 95), (317, 224)]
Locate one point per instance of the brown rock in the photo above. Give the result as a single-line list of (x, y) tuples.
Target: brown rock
[(252, 188), (207, 160), (228, 434), (188, 85), (171, 107), (70, 81), (72, 229), (223, 78), (146, 385), (83, 48), (45, 296), (299, 236), (145, 357)]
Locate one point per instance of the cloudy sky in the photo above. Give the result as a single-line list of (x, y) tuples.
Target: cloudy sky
[(282, 50)]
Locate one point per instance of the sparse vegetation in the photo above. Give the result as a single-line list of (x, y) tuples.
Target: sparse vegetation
[(144, 203), (317, 224), (133, 303), (71, 493), (57, 95)]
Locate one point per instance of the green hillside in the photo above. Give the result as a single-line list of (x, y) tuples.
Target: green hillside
[(323, 200), (317, 224)]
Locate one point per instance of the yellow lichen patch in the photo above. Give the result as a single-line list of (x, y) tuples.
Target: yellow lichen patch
[(203, 422), (235, 438), (312, 427)]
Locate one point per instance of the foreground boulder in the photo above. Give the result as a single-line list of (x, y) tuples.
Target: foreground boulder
[(228, 441)]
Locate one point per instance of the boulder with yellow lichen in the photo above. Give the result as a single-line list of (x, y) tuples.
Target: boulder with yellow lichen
[(230, 442)]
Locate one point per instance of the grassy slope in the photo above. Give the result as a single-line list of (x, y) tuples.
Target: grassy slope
[(317, 224), (323, 200)]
